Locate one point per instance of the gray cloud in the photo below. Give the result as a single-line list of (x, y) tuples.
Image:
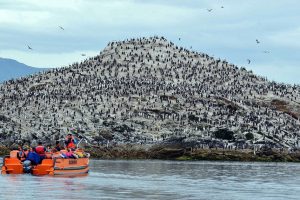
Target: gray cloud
[(228, 33)]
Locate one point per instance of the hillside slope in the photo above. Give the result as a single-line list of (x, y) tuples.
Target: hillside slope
[(149, 90)]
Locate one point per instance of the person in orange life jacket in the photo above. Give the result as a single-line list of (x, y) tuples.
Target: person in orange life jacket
[(70, 141), (40, 149)]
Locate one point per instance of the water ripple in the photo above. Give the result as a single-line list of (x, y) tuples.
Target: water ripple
[(150, 179)]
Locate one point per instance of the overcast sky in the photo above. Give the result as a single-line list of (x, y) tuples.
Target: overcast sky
[(228, 33)]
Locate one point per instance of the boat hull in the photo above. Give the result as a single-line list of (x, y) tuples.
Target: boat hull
[(11, 166), (52, 167)]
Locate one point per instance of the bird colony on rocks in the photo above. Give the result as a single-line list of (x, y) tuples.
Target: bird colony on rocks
[(149, 91)]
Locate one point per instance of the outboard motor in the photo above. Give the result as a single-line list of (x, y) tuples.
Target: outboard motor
[(27, 166)]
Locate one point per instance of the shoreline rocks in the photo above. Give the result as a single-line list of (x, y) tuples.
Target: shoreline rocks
[(178, 153)]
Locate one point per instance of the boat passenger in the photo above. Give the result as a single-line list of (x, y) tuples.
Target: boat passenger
[(55, 153), (34, 157), (21, 154), (48, 149), (26, 151), (70, 154), (40, 149), (79, 154), (70, 141), (57, 146), (63, 153)]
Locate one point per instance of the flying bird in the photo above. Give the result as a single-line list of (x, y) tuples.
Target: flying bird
[(179, 39), (29, 47), (257, 41), (83, 54), (209, 10), (222, 6), (266, 51), (249, 61), (62, 28)]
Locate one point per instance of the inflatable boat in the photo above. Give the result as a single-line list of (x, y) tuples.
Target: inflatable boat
[(52, 165)]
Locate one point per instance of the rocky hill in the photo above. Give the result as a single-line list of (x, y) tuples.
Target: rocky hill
[(148, 91)]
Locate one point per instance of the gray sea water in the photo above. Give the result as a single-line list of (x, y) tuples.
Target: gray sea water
[(155, 179)]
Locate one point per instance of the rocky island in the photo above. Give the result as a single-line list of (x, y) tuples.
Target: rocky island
[(148, 98)]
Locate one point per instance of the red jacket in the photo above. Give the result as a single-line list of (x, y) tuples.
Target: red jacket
[(70, 143), (40, 150)]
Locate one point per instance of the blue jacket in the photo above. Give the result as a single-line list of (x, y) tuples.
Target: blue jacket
[(34, 158)]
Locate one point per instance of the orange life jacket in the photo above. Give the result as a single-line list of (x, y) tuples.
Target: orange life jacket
[(40, 150), (70, 143)]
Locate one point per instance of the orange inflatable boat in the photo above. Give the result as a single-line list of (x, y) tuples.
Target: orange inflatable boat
[(52, 165)]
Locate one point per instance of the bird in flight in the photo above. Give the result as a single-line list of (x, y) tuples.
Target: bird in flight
[(83, 54), (62, 28), (266, 51), (222, 6), (257, 41), (249, 61), (209, 10), (29, 47), (179, 39)]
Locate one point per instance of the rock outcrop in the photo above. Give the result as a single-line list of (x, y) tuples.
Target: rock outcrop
[(149, 90)]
